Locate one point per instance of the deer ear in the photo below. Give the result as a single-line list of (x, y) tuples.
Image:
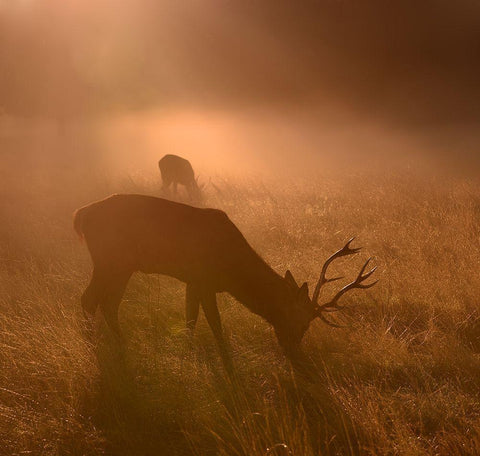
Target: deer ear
[(303, 292), (289, 278)]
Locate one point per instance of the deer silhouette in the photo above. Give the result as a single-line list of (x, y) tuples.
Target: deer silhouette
[(203, 248), (177, 170)]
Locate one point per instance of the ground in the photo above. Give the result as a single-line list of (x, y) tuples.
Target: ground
[(401, 377)]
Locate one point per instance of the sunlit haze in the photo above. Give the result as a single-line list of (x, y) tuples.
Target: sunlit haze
[(239, 227)]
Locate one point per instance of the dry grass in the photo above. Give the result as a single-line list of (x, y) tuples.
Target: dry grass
[(401, 379)]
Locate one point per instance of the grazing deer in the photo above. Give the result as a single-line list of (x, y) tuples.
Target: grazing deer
[(177, 170), (204, 249)]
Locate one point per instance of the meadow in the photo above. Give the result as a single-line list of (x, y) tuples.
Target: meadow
[(401, 377)]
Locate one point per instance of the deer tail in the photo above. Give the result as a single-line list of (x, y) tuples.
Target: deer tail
[(78, 217)]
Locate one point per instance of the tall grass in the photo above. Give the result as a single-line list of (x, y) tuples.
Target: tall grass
[(402, 377)]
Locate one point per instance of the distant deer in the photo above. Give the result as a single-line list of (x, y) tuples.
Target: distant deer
[(177, 170), (204, 249)]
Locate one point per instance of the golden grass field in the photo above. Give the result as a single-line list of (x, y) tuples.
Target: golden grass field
[(401, 378)]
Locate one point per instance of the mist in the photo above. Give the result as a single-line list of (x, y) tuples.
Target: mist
[(261, 85), (189, 311)]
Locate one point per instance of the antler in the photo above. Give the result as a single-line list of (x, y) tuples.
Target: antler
[(344, 251), (332, 306)]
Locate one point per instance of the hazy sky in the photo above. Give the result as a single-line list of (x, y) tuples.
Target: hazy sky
[(407, 62)]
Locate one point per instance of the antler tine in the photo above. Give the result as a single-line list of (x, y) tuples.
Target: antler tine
[(332, 306), (344, 251), (328, 322)]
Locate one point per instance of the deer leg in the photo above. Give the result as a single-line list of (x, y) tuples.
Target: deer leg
[(190, 191), (90, 300), (175, 189), (192, 307), (166, 186), (210, 309), (91, 296), (110, 303)]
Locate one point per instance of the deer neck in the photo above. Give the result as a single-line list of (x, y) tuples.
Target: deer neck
[(260, 289)]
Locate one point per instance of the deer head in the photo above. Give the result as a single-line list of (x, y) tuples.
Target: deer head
[(294, 325)]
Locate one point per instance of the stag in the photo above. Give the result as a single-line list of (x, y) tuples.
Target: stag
[(177, 170), (203, 248)]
